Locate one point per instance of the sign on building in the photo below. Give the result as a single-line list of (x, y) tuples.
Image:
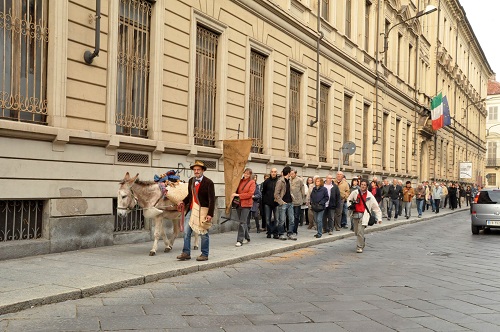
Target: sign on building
[(465, 170)]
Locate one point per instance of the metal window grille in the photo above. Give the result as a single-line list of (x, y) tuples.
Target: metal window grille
[(492, 179), (325, 9), (209, 164), (24, 38), (348, 18), (294, 115), (20, 220), (366, 109), (132, 158), (256, 119), (133, 68), (206, 87), (134, 221), (347, 117), (323, 122)]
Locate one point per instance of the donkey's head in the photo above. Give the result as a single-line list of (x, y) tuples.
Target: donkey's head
[(126, 198)]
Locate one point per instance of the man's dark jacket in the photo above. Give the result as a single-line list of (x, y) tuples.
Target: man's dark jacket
[(335, 199), (206, 195), (395, 193), (268, 191)]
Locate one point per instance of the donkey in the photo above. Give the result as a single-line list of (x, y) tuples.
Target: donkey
[(150, 199)]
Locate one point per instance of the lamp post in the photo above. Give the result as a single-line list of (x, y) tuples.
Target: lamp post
[(429, 9)]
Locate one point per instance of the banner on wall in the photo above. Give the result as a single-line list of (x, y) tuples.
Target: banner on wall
[(465, 170)]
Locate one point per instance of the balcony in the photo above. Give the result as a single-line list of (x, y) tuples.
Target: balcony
[(493, 162)]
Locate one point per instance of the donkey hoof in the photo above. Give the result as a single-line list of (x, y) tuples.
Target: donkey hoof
[(195, 247), (167, 249), (152, 253)]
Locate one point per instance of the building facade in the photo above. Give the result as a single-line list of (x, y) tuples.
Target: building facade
[(493, 135), (174, 78)]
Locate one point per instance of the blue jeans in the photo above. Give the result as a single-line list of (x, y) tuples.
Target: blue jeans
[(393, 206), (285, 210), (271, 222), (319, 220), (343, 221), (420, 204), (205, 241), (296, 218)]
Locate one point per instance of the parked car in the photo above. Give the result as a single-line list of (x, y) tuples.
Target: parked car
[(473, 201), (486, 211)]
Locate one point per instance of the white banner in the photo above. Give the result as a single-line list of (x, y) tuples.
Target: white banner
[(465, 170)]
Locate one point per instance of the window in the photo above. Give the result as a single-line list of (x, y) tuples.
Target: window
[(24, 39), (256, 107), (490, 197), (492, 154), (368, 5), (366, 113), (385, 132), (386, 29), (400, 40), (348, 18), (408, 147), (133, 68), (347, 118), (410, 64), (325, 9), (205, 87), (294, 115), (493, 113), (398, 145), (323, 122)]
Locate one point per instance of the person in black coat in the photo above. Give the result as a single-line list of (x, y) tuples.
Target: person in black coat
[(334, 201), (270, 206), (395, 194), (318, 198), (452, 194)]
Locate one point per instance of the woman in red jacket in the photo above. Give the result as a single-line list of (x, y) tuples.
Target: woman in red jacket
[(245, 192)]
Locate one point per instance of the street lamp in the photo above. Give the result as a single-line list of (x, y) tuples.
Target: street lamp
[(429, 9), (488, 129)]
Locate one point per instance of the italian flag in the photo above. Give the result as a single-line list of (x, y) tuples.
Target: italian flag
[(437, 112)]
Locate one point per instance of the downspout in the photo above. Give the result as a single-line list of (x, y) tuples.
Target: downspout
[(455, 99), (437, 72), (88, 56), (318, 86), (377, 77), (417, 49)]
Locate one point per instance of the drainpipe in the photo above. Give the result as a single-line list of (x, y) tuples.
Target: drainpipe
[(89, 56), (377, 77), (417, 49), (437, 71), (320, 36)]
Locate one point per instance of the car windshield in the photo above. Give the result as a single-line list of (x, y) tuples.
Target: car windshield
[(489, 197)]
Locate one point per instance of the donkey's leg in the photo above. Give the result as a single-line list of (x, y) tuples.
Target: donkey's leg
[(163, 235), (158, 228), (196, 241), (175, 232)]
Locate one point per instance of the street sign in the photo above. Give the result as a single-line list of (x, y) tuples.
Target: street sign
[(348, 148)]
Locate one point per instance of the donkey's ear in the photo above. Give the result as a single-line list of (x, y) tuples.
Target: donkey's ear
[(127, 176), (134, 178)]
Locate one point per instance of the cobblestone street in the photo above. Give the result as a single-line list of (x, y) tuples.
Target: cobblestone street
[(429, 276)]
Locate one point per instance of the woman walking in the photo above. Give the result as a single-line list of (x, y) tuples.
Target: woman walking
[(245, 193), (319, 197)]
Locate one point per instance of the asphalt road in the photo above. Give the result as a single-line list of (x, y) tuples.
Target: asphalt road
[(428, 276)]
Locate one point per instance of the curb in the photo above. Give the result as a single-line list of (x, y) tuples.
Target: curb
[(140, 280)]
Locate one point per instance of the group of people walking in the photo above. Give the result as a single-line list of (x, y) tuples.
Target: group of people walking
[(281, 203)]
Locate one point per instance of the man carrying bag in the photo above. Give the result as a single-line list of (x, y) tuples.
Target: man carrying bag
[(364, 205)]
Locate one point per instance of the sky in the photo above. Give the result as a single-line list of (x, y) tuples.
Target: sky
[(484, 17)]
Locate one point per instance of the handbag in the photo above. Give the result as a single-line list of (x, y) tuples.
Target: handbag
[(236, 200), (373, 220), (317, 207)]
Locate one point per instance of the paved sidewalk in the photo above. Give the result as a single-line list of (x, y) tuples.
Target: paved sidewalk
[(38, 280)]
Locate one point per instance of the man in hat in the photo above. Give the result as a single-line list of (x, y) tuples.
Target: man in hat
[(201, 190)]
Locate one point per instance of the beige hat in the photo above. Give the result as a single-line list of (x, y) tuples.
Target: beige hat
[(199, 163)]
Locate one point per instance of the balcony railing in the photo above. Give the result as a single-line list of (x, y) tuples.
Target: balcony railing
[(492, 162)]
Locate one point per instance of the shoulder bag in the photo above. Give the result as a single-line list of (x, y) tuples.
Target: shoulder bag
[(373, 220), (236, 200)]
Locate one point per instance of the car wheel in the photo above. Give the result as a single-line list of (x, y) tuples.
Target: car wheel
[(487, 230), (475, 230)]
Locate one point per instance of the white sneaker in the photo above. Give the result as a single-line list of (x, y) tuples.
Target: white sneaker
[(238, 244), (359, 250), (246, 241)]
